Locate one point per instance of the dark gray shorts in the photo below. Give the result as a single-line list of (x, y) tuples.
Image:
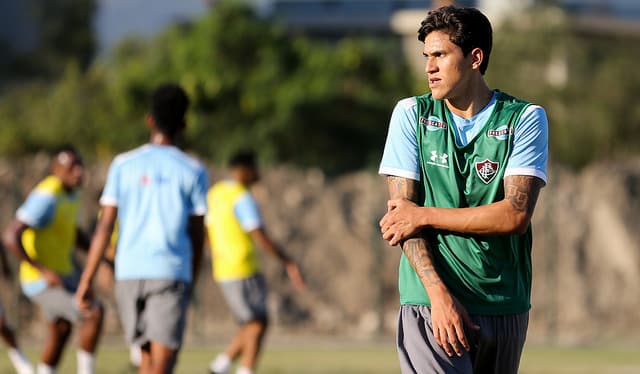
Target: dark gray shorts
[(153, 310), (496, 348), (59, 302), (247, 298)]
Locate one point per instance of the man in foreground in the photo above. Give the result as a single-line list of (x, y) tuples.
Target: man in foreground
[(464, 166), (157, 193)]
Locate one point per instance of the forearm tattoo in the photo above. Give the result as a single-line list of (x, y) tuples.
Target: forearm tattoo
[(522, 192), (415, 249), (421, 259)]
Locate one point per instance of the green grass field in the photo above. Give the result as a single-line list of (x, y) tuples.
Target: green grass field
[(356, 359)]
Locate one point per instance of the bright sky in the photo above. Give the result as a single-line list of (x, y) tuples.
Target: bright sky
[(116, 19)]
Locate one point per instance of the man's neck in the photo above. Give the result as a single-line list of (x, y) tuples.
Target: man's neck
[(469, 105), (158, 138), (239, 180), (67, 189)]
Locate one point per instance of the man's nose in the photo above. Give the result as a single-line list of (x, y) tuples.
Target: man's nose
[(430, 66)]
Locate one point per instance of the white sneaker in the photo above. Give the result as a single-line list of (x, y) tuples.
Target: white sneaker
[(135, 355), (20, 362), (24, 369), (244, 370), (220, 365)]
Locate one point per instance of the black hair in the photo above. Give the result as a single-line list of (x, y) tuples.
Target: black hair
[(169, 103), (245, 157), (467, 28), (66, 148)]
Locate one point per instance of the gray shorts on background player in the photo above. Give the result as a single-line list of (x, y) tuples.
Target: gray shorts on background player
[(247, 298), (153, 310), (495, 349), (59, 302)]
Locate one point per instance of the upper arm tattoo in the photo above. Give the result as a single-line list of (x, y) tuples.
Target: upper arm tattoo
[(522, 192), (415, 249), (400, 187)]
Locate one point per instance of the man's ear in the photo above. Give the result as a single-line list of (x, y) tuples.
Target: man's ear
[(54, 168), (477, 56), (150, 121)]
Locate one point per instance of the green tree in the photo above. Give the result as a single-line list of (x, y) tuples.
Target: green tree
[(319, 103), (294, 99), (585, 80), (64, 33)]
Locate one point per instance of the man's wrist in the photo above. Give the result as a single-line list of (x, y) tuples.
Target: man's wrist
[(86, 278), (438, 291), (425, 214)]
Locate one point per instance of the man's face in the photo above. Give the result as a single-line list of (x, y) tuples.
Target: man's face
[(448, 70), (251, 175), (68, 167)]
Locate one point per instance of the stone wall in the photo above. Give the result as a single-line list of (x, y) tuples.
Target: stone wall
[(586, 254)]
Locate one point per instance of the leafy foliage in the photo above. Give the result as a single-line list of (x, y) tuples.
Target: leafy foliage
[(293, 99), (64, 35), (587, 83), (317, 102)]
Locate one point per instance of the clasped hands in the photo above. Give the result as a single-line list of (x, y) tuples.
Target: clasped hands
[(401, 221)]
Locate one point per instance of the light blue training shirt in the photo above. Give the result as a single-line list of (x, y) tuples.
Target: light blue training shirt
[(156, 188), (529, 155), (38, 209), (37, 212), (247, 212)]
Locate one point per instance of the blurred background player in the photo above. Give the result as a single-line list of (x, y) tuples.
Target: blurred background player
[(157, 193), (235, 226), (43, 236), (16, 356)]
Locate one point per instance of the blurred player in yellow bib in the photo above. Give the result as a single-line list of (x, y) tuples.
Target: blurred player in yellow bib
[(235, 227), (43, 237)]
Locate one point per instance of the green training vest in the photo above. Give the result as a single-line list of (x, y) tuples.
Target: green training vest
[(490, 274)]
